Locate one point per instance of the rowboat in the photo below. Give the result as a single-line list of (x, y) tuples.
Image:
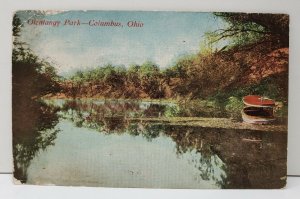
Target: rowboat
[(258, 101), (258, 110)]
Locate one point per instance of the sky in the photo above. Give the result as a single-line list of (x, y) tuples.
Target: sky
[(163, 38)]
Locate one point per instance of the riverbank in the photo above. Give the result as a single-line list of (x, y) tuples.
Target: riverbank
[(225, 123)]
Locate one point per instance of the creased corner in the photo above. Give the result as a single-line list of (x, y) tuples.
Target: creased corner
[(16, 181)]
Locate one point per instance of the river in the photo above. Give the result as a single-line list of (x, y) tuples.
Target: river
[(94, 143)]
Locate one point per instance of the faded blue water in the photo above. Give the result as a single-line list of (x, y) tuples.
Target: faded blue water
[(81, 156), (94, 143)]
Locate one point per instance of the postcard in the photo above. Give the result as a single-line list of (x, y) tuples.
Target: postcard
[(150, 99)]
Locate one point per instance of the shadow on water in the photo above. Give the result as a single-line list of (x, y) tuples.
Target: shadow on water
[(33, 130), (228, 158), (253, 159)]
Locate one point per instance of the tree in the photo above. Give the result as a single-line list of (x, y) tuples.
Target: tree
[(133, 82), (150, 79), (16, 26), (33, 121), (32, 77), (250, 28)]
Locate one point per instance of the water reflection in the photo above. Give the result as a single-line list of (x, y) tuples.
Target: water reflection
[(33, 130), (99, 145)]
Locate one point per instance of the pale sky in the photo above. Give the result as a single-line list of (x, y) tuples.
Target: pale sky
[(164, 37)]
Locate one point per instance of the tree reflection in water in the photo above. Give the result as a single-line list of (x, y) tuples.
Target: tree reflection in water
[(112, 118), (250, 159), (33, 130), (230, 158), (254, 159)]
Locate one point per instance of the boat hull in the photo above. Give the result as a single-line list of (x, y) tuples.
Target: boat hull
[(257, 115)]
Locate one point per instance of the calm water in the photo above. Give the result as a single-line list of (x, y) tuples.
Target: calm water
[(94, 143)]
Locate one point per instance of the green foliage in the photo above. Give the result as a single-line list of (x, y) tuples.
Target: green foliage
[(245, 28), (274, 87), (172, 111), (149, 69), (16, 26), (182, 66), (32, 77), (234, 104), (116, 81), (208, 45)]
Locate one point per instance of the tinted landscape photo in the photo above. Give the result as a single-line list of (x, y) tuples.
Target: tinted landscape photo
[(150, 99)]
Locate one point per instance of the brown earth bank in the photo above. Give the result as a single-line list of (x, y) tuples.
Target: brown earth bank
[(275, 62)]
